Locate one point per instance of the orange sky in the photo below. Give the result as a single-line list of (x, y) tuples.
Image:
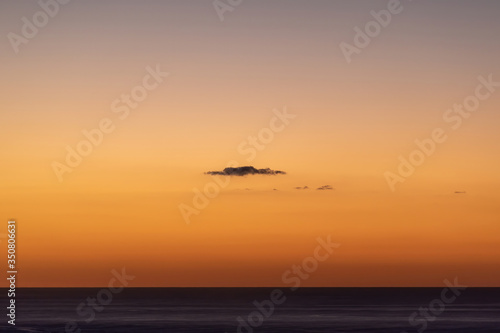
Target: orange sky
[(120, 206)]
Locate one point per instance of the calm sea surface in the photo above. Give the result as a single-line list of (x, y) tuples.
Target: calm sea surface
[(374, 310)]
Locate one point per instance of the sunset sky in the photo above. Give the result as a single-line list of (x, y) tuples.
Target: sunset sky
[(227, 81)]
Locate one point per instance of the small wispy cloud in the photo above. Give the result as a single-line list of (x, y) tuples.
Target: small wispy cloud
[(244, 171), (301, 188), (325, 187)]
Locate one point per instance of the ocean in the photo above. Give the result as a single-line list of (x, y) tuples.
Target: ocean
[(347, 310)]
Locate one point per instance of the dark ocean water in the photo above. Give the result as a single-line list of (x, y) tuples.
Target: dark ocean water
[(374, 310)]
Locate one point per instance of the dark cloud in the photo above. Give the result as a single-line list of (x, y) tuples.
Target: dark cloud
[(301, 188), (325, 187), (460, 192), (245, 170)]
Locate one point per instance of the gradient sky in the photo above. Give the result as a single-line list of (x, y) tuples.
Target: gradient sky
[(120, 207)]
